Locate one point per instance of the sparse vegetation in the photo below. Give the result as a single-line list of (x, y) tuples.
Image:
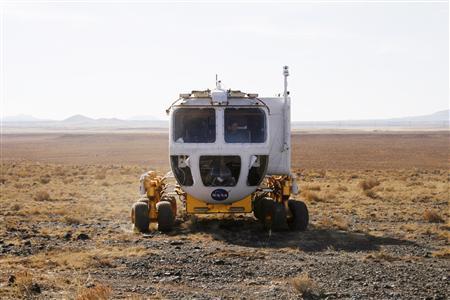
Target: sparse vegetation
[(371, 194), (44, 179), (442, 253), (432, 216), (368, 184), (42, 196), (97, 292), (305, 285), (382, 255), (310, 196), (83, 235), (23, 284), (312, 187)]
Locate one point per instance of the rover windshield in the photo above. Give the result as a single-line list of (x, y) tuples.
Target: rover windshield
[(194, 125), (245, 125)]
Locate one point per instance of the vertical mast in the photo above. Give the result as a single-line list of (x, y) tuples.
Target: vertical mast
[(285, 108)]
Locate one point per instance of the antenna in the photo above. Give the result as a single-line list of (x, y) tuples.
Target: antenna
[(286, 129), (218, 83), (285, 74)]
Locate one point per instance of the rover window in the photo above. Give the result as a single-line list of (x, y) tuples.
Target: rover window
[(194, 125), (181, 170), (245, 125), (257, 170), (220, 170)]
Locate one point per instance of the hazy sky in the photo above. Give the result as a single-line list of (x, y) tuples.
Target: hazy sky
[(347, 60)]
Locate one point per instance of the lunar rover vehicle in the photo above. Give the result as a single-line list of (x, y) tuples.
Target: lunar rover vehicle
[(230, 152)]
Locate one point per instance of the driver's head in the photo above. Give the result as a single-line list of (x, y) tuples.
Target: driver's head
[(233, 126)]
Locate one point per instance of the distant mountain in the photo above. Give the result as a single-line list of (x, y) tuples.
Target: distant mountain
[(20, 118), (78, 119), (440, 116), (438, 119)]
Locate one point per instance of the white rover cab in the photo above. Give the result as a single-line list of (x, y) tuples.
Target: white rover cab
[(230, 152)]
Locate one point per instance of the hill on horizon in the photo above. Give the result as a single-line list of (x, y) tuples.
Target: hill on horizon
[(439, 119)]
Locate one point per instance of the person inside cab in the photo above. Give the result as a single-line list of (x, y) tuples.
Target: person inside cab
[(236, 134)]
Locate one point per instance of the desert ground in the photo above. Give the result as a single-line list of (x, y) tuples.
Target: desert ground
[(379, 223)]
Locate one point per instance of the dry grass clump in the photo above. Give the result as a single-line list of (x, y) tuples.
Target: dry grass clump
[(42, 196), (100, 176), (310, 196), (67, 180), (371, 194), (23, 285), (44, 179), (15, 207), (305, 285), (97, 292), (312, 187), (442, 253), (368, 184), (342, 188), (432, 216), (337, 222), (72, 220), (381, 255)]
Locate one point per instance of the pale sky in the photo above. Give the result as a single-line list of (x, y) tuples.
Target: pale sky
[(347, 60)]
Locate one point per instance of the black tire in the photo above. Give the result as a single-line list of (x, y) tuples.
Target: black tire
[(165, 216), (265, 212), (300, 215), (279, 218), (141, 216), (272, 214), (257, 211)]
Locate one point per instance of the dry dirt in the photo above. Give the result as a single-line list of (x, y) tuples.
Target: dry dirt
[(379, 223)]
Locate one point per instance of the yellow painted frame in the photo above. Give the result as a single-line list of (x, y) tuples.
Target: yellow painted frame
[(196, 206)]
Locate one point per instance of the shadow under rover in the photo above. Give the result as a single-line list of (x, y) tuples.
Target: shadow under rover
[(246, 231)]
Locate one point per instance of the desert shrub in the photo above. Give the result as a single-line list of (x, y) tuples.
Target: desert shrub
[(336, 222), (97, 292), (44, 179), (72, 220), (2, 180), (432, 216), (24, 286), (381, 255), (19, 185), (105, 183), (312, 187), (342, 188), (15, 207), (305, 285), (67, 180), (310, 196), (368, 184), (340, 223), (59, 171), (42, 196), (371, 194), (442, 253), (328, 196), (100, 176)]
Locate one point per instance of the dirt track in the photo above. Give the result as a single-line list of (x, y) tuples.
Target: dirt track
[(390, 241)]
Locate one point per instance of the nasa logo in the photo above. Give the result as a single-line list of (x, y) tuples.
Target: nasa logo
[(219, 194)]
